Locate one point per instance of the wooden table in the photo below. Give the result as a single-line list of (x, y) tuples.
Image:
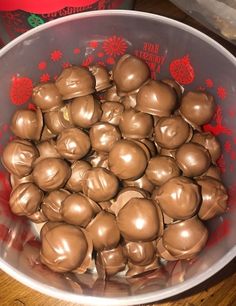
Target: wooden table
[(220, 290)]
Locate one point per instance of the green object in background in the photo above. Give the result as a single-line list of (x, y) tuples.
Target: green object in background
[(34, 20)]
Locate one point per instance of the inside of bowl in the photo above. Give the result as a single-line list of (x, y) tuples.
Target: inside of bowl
[(171, 51)]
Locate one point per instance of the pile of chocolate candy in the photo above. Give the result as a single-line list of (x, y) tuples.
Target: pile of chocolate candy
[(118, 167)]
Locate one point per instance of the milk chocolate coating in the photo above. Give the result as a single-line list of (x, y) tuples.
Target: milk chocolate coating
[(161, 168), (104, 231), (27, 124), (130, 73), (103, 136), (46, 134), (193, 159), (16, 180), (111, 112), (98, 159), (197, 107), (47, 149), (18, 157), (214, 198), (172, 132), (102, 77), (210, 142), (156, 98), (175, 85), (79, 210), (127, 160), (163, 252), (100, 184), (75, 82), (78, 169), (73, 144), (58, 120), (138, 220), (143, 147), (129, 101), (64, 248), (110, 262), (136, 270), (105, 205), (213, 171), (111, 94), (25, 199), (140, 253), (143, 182), (51, 173), (134, 124), (52, 204), (38, 217), (179, 197), (167, 152), (85, 111), (185, 239), (150, 145)]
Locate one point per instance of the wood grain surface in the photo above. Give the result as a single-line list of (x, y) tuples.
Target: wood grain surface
[(220, 290)]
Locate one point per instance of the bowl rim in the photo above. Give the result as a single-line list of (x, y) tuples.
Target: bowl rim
[(141, 298)]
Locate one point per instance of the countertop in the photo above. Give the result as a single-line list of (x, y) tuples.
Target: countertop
[(219, 290)]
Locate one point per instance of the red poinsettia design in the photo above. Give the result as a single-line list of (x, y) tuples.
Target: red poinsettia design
[(93, 44), (182, 70), (110, 60), (209, 83), (56, 55), (66, 65), (44, 77), (21, 90), (227, 146), (221, 92), (100, 54), (88, 60), (12, 18), (114, 46), (42, 65), (76, 51)]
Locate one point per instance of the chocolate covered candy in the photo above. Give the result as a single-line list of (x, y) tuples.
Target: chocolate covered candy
[(102, 77), (140, 253), (111, 112), (143, 182), (78, 169), (111, 94)]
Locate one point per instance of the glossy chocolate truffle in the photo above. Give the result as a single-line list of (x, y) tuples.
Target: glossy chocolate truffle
[(210, 142), (47, 97), (163, 252), (38, 217), (140, 253), (162, 168), (134, 124), (52, 204), (129, 101), (65, 248), (18, 157), (137, 270), (172, 132), (111, 112), (214, 198), (98, 159), (77, 209), (73, 144), (51, 173), (175, 85), (85, 111), (130, 73), (75, 82), (138, 220), (102, 77), (142, 182), (185, 239), (179, 198), (197, 107), (104, 231), (78, 169), (47, 149), (143, 147), (167, 152), (47, 134), (150, 145), (193, 159), (25, 199), (17, 180), (100, 184), (127, 160), (111, 94), (213, 171), (27, 124), (156, 98), (103, 136)]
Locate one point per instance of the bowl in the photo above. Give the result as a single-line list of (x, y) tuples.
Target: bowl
[(171, 49)]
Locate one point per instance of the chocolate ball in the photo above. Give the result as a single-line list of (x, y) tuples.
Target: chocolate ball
[(162, 168), (25, 199), (143, 183), (193, 159), (100, 184), (172, 132), (47, 97), (129, 101), (27, 124), (130, 73), (47, 149), (134, 124), (111, 94), (163, 252), (18, 157), (47, 134), (143, 147), (179, 197), (127, 160), (214, 198), (52, 204), (136, 270), (85, 111), (78, 169), (38, 217), (73, 144), (210, 142), (65, 248), (156, 98), (111, 112), (79, 210), (185, 239), (98, 159), (168, 152), (17, 180), (105, 205), (150, 145), (75, 82), (104, 231), (175, 85), (102, 77), (197, 107), (138, 220), (103, 136), (140, 253), (213, 171), (51, 173)]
